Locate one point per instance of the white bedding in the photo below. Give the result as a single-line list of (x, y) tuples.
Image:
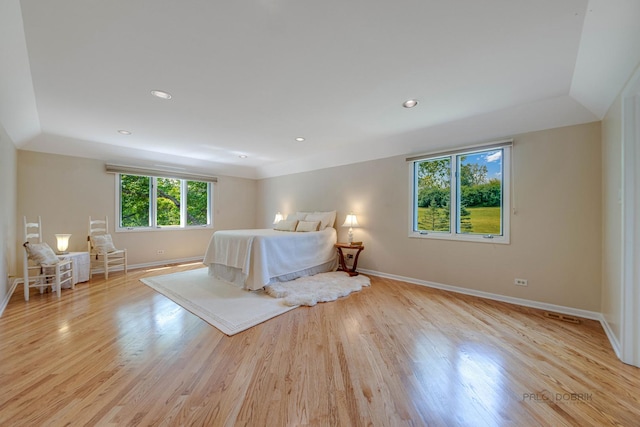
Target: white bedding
[(255, 258)]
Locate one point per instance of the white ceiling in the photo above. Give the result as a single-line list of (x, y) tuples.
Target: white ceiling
[(248, 77)]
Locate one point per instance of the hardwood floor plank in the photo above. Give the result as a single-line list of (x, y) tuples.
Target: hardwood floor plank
[(118, 353)]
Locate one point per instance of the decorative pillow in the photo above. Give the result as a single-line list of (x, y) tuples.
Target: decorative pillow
[(308, 226), (103, 243), (331, 217), (41, 253), (300, 216), (326, 218), (286, 225)]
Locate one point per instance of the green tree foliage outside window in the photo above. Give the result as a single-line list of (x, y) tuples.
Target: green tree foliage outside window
[(434, 193), (135, 201), (197, 203), (168, 199), (170, 196)]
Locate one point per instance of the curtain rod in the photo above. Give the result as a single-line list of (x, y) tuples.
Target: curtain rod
[(488, 145)]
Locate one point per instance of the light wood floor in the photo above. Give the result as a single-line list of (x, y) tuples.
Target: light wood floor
[(118, 353)]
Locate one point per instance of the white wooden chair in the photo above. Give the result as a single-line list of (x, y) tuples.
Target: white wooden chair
[(104, 255), (41, 266)]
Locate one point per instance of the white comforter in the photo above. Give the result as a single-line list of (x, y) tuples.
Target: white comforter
[(263, 254)]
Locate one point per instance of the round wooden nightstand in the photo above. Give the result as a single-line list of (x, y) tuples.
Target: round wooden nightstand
[(343, 265)]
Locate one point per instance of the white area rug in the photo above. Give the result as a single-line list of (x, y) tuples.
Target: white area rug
[(322, 287), (223, 305)]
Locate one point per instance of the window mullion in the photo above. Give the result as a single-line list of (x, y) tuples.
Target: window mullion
[(453, 197), (153, 215), (209, 204), (183, 203)]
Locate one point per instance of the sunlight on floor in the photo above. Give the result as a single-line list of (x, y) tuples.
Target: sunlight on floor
[(158, 269), (167, 267)]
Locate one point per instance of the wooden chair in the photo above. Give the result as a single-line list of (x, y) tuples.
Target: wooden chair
[(41, 266), (104, 255)]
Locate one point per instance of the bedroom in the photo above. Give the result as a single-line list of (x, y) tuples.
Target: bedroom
[(581, 270)]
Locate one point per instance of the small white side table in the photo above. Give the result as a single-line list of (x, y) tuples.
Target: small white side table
[(81, 265)]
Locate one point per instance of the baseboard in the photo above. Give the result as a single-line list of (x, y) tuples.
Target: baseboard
[(13, 283), (496, 297), (611, 336)]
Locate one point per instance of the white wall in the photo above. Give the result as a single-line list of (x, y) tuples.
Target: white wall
[(66, 190), (621, 234), (8, 202), (555, 235)]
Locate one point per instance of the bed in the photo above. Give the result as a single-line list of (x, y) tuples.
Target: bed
[(255, 258)]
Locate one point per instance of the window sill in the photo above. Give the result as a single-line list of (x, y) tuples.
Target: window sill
[(477, 238), (155, 229)]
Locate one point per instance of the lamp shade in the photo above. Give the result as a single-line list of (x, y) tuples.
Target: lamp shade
[(351, 221), (63, 242), (278, 218)]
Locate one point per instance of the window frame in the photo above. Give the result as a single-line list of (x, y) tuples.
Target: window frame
[(452, 234), (153, 205)]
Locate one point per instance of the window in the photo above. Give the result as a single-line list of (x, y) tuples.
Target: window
[(462, 195), (146, 202)]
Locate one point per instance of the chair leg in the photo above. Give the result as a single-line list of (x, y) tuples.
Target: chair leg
[(105, 258), (58, 286), (26, 289)]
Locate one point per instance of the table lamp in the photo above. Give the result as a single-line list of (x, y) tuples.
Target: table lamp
[(351, 221), (278, 218), (63, 243)]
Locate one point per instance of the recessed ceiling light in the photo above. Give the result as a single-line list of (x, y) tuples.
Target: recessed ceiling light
[(161, 94), (410, 103), (124, 132), (299, 139), (243, 156)]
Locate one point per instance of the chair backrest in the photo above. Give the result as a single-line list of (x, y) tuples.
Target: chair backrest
[(97, 227), (32, 233), (32, 230)]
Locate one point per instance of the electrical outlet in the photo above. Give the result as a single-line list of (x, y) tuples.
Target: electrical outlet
[(520, 282), (160, 251), (349, 256)]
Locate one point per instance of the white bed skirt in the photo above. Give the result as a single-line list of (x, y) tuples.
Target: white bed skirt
[(234, 275)]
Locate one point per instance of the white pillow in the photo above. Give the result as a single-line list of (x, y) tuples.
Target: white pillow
[(286, 225), (326, 218), (103, 243), (331, 217), (41, 253), (308, 226), (300, 216)]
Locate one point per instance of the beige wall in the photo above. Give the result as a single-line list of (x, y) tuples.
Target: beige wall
[(66, 190), (555, 234), (612, 217), (8, 201)]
